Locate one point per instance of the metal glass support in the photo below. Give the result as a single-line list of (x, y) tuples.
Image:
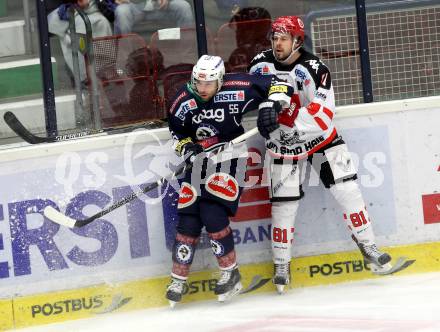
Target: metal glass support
[(202, 44), (91, 68), (365, 54), (27, 27), (80, 116), (46, 70)]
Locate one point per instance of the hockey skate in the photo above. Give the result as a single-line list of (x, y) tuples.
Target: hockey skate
[(379, 261), (228, 285), (175, 290), (281, 276)]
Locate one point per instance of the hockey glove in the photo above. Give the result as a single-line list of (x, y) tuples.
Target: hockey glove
[(267, 120), (190, 152)]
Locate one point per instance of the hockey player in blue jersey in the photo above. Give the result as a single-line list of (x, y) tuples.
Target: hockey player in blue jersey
[(205, 114)]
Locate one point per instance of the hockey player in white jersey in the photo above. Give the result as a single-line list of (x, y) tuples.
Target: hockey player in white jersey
[(306, 131)]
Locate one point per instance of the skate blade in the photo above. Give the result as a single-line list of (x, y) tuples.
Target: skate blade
[(388, 268), (172, 304), (280, 289), (377, 269), (228, 295)]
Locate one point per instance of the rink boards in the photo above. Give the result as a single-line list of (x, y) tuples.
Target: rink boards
[(148, 293), (121, 262)]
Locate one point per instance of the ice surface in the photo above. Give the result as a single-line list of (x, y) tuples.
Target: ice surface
[(391, 303)]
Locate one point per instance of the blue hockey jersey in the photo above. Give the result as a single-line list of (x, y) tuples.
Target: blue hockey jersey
[(218, 120)]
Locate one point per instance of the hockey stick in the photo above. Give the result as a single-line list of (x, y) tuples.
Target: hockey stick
[(59, 218), (18, 128)]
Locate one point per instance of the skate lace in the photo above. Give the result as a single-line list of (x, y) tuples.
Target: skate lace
[(176, 286), (372, 251), (281, 269), (224, 277)]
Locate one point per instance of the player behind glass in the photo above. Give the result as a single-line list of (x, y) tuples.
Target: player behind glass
[(306, 130), (205, 114)]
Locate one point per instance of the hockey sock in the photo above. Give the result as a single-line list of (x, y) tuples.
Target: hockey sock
[(349, 196), (283, 221)]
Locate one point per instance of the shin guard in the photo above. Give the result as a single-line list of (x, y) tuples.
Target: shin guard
[(183, 254), (222, 244), (283, 221), (349, 196)]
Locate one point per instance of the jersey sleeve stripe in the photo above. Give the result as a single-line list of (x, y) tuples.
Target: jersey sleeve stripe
[(320, 123), (328, 113)]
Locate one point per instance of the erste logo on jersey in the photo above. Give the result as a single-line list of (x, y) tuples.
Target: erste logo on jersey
[(187, 195), (262, 70), (186, 106), (222, 185), (300, 74), (229, 96)]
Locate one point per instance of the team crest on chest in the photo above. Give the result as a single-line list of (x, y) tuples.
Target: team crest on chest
[(205, 131), (289, 138)]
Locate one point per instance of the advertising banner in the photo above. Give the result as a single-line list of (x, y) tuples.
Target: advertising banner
[(397, 172), (148, 293)]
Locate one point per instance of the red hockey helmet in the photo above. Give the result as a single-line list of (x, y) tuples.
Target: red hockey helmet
[(292, 25)]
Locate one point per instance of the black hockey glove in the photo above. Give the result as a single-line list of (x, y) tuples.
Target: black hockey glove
[(267, 120), (190, 152)]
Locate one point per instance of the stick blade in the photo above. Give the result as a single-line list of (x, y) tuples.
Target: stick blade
[(57, 217), (18, 128)]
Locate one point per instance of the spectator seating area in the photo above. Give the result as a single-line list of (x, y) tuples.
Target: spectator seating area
[(137, 79)]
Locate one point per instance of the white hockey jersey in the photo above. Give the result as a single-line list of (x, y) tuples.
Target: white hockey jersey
[(308, 125)]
